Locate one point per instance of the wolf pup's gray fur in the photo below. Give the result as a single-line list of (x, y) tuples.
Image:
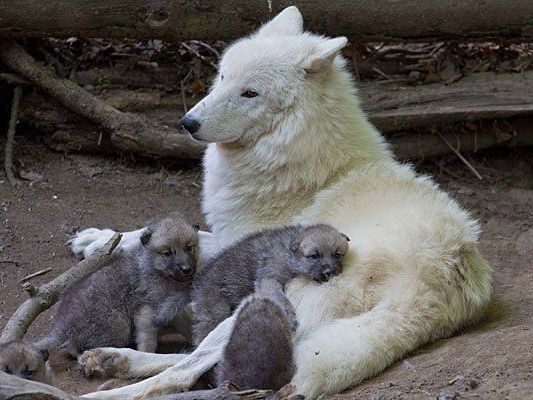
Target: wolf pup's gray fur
[(25, 361), (268, 259), (127, 301), (259, 353)]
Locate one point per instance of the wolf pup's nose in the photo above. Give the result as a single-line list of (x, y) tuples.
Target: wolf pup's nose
[(190, 124), (186, 269)]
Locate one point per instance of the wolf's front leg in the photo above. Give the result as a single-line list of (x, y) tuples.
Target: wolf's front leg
[(146, 332), (183, 374), (87, 241), (125, 363)]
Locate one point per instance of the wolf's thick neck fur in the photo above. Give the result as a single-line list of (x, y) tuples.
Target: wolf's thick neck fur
[(334, 134)]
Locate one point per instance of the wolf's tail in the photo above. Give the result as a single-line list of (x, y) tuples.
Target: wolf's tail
[(259, 354)]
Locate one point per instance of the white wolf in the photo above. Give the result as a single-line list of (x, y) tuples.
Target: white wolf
[(289, 143)]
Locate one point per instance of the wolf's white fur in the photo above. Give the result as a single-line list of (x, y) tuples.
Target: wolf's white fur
[(303, 151)]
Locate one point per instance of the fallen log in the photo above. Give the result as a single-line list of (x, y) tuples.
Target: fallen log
[(394, 107), (416, 145), (391, 107), (212, 19), (129, 132)]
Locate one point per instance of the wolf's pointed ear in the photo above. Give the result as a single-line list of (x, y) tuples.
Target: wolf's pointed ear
[(324, 54), (287, 22), (145, 236), (345, 237)]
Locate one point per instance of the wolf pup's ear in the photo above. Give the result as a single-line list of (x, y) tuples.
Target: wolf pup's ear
[(288, 22), (294, 246), (196, 227), (345, 237), (145, 237), (324, 54), (44, 354)]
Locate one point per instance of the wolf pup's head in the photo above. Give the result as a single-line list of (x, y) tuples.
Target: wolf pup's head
[(262, 79), (24, 361), (319, 252), (170, 246)]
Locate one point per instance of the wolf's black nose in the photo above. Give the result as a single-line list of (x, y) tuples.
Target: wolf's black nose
[(190, 124)]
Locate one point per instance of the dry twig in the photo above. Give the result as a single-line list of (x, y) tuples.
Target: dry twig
[(201, 57), (8, 158), (38, 273), (464, 160)]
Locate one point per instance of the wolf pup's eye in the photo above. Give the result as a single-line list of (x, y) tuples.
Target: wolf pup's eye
[(249, 94), (337, 256), (167, 253), (189, 247), (314, 256)]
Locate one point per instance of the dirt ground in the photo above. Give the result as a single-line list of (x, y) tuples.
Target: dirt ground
[(493, 360)]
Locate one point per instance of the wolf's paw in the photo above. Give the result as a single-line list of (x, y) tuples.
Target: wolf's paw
[(103, 362), (87, 241)]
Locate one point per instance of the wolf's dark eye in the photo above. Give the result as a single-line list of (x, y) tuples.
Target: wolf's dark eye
[(189, 247), (337, 256), (167, 253), (314, 256), (249, 94)]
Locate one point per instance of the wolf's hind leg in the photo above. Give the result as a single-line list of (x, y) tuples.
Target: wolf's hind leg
[(259, 352)]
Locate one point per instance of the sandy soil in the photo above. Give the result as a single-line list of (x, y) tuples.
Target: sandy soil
[(493, 360)]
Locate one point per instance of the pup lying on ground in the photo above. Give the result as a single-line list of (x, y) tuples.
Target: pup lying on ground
[(25, 361), (127, 300), (265, 260)]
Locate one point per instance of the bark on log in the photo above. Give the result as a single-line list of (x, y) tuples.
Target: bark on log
[(213, 19), (479, 96)]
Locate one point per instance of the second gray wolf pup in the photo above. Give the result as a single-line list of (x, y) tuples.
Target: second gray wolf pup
[(265, 261), (120, 304)]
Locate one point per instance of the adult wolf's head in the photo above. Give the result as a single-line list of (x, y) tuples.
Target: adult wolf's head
[(262, 79)]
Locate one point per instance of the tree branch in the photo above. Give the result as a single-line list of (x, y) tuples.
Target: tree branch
[(129, 132), (47, 295)]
